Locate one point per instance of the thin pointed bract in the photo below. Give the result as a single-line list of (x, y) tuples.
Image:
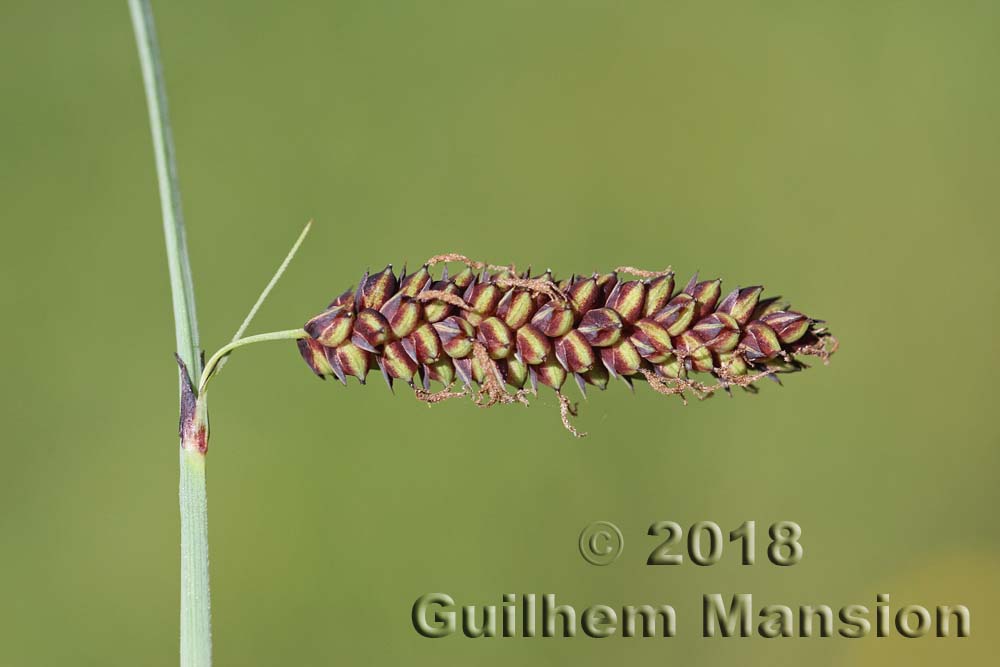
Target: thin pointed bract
[(488, 326)]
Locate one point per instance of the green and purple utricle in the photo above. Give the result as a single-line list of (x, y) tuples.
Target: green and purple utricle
[(494, 326)]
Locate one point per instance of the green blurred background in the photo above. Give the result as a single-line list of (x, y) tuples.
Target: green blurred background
[(842, 154)]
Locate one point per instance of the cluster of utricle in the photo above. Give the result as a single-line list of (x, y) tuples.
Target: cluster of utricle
[(493, 326)]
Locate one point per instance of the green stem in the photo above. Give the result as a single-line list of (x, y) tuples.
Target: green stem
[(196, 606), (271, 283), (181, 286), (216, 359), (196, 624)]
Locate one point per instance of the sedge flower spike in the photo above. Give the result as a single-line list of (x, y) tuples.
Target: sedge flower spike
[(488, 328)]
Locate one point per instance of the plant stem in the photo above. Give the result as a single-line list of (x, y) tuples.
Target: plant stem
[(196, 608), (196, 625), (181, 286), (271, 283), (215, 362), (267, 289)]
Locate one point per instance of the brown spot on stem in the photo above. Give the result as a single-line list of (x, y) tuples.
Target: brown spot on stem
[(193, 429)]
